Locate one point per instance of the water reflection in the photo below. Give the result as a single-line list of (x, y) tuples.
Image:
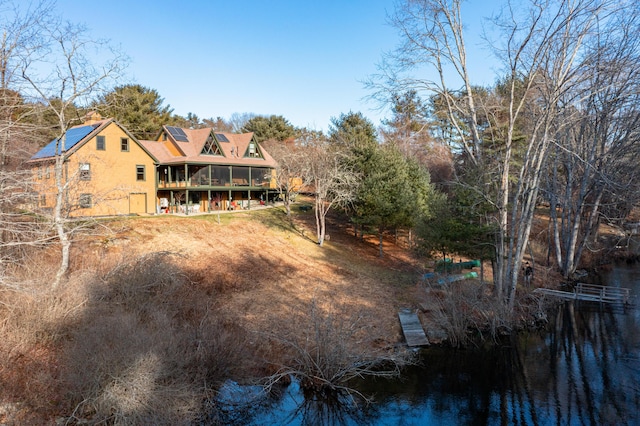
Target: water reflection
[(584, 370), (342, 410), (290, 406)]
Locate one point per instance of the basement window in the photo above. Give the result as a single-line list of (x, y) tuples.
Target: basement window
[(84, 201)]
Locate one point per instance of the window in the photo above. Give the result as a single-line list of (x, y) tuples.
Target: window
[(124, 144), (84, 201), (43, 199), (47, 173), (85, 171), (100, 143), (253, 151), (140, 173), (211, 147)]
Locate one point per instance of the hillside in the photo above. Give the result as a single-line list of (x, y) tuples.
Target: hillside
[(267, 267), (160, 310)]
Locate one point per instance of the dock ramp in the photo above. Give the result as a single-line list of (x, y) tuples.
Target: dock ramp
[(412, 328)]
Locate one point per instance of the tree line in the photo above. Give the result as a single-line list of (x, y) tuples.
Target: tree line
[(558, 127)]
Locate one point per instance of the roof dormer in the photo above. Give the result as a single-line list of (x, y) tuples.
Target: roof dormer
[(253, 150), (211, 146)]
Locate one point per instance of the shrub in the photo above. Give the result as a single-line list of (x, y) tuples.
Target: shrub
[(139, 344), (467, 312), (326, 353)]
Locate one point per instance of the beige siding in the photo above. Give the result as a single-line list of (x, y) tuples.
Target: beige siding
[(109, 177)]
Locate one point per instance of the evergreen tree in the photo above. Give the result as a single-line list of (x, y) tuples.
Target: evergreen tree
[(274, 127), (356, 137), (394, 192), (139, 109), (353, 131), (458, 225)]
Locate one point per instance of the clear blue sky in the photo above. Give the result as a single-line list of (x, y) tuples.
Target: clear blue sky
[(302, 59)]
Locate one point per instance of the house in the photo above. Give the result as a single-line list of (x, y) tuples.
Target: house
[(202, 170), (106, 170), (110, 172)]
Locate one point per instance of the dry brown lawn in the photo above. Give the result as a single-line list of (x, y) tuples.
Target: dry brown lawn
[(157, 309), (271, 270)]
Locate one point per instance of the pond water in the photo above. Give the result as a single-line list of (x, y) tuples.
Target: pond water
[(583, 370)]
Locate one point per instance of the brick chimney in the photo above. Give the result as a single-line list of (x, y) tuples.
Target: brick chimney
[(92, 117)]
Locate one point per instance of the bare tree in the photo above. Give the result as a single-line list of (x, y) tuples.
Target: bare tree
[(61, 74), (330, 179), (595, 161), (19, 37), (432, 37), (290, 176), (545, 56), (238, 120)]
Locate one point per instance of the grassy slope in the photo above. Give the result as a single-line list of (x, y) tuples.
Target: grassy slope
[(270, 269), (138, 338)]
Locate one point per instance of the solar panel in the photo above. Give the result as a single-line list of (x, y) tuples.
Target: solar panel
[(73, 136), (178, 134), (221, 137)]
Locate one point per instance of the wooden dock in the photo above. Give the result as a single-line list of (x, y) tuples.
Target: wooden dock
[(590, 293), (412, 328)]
